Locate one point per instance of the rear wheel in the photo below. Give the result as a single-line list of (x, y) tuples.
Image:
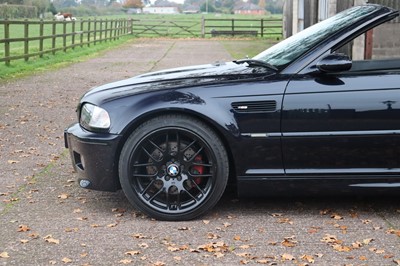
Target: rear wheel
[(173, 168)]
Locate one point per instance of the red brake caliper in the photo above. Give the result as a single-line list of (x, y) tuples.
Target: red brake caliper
[(198, 169)]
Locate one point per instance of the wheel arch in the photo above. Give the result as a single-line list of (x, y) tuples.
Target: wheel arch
[(219, 129)]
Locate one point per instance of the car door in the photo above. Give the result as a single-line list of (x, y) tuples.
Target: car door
[(344, 124)]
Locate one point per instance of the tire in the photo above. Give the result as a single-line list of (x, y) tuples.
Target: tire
[(173, 168)]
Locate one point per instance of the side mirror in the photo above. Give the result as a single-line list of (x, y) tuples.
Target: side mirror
[(334, 63)]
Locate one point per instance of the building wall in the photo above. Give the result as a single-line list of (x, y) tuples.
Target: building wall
[(386, 38), (386, 41)]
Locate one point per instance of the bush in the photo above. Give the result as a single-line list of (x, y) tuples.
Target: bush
[(17, 11)]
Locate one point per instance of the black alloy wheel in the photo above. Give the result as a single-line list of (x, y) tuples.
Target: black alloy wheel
[(173, 168)]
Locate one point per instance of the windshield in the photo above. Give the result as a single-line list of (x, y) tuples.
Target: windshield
[(290, 49)]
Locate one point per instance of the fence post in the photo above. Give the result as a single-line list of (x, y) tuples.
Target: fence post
[(26, 41), (88, 35), (81, 37), (203, 27), (101, 30), (41, 38), (64, 36), (53, 41), (7, 42), (106, 30), (130, 25), (73, 35), (233, 27), (95, 31), (262, 27)]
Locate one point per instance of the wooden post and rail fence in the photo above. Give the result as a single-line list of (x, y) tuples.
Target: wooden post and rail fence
[(23, 39)]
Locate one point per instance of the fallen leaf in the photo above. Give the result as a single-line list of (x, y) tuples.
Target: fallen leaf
[(227, 224), (183, 228), (397, 262), (367, 241), (341, 248), (356, 245), (4, 255), (143, 245), (287, 256), (66, 260), (173, 249), (314, 230), (132, 252), (289, 243), (69, 230), (363, 258), (336, 216), (308, 258), (139, 236), (212, 236), (34, 235), (285, 221), (51, 240), (112, 225), (24, 241), (23, 228), (237, 238), (63, 196), (125, 261), (206, 221), (12, 161)]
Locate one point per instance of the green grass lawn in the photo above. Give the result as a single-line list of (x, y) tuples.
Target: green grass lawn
[(238, 48)]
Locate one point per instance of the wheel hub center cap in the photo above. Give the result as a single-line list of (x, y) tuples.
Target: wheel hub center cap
[(173, 170)]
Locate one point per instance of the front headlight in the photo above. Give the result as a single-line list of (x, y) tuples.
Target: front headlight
[(94, 117)]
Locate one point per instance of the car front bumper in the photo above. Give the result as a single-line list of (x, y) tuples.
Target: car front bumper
[(94, 157)]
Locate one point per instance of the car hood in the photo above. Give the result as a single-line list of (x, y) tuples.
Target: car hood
[(178, 78)]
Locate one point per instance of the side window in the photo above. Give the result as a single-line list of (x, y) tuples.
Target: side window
[(376, 49), (382, 42)]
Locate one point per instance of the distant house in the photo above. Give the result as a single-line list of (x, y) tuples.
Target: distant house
[(248, 8), (160, 10), (382, 43), (191, 9), (162, 7)]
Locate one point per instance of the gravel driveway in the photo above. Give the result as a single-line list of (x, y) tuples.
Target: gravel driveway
[(46, 219)]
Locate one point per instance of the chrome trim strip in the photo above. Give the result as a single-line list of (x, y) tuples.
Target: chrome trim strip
[(261, 135), (340, 133), (342, 171), (374, 185), (265, 172), (321, 133)]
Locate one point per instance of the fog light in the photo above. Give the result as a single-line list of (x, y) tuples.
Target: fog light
[(84, 183)]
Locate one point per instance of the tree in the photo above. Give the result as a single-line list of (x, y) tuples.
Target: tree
[(41, 5), (132, 4), (51, 8)]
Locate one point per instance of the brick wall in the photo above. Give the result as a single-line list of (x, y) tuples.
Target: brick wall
[(386, 41)]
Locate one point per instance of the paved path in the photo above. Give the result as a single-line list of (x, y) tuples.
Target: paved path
[(35, 110), (46, 219)]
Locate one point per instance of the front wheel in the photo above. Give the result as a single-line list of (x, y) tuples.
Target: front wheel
[(173, 167)]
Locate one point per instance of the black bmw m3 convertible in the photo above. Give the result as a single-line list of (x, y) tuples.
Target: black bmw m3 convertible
[(300, 117)]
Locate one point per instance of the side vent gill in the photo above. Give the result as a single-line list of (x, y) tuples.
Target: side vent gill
[(254, 107)]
